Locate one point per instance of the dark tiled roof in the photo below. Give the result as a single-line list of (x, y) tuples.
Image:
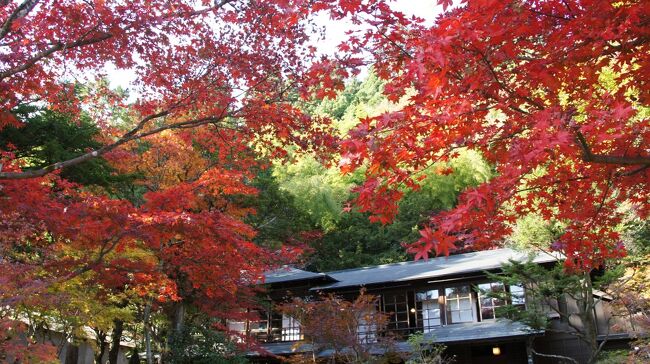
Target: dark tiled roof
[(411, 270), (287, 274), (431, 268)]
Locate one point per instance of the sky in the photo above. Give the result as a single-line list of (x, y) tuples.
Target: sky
[(335, 31), (334, 34)]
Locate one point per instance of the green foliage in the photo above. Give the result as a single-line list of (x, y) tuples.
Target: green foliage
[(319, 192), (357, 242), (636, 234), (277, 218), (359, 99), (469, 169), (350, 239), (532, 231), (47, 137), (425, 351), (614, 357), (200, 343), (545, 287), (354, 241)]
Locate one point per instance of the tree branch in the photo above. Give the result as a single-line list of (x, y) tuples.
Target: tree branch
[(589, 157), (24, 8), (53, 49), (562, 357), (399, 47), (20, 11), (130, 136)]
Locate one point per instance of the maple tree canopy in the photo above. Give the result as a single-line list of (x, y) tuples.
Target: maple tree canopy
[(216, 82), (197, 63), (554, 93)]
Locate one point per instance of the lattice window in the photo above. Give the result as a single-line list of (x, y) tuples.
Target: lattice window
[(260, 328), (429, 309), (290, 329), (459, 305), (396, 304), (367, 327), (275, 329), (488, 304)]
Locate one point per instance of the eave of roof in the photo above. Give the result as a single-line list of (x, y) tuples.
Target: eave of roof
[(489, 330), (290, 274), (475, 332), (409, 271), (432, 268)]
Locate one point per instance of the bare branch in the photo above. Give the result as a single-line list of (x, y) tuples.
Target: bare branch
[(562, 357)]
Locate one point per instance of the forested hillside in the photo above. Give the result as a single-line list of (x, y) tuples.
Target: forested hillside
[(317, 198)]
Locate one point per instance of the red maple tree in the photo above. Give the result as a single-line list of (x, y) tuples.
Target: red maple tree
[(220, 76), (554, 93), (231, 67), (522, 82)]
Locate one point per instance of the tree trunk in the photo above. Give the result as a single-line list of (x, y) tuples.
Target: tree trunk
[(589, 319), (147, 333), (135, 358), (101, 343), (116, 338), (71, 354), (177, 320)]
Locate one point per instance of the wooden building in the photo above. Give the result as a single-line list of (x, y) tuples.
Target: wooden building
[(442, 297)]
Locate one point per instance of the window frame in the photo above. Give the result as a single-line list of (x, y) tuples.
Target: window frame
[(493, 307), (292, 331), (391, 307), (472, 304), (419, 307), (475, 302)]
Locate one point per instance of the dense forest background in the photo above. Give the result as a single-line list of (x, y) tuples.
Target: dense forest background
[(306, 195)]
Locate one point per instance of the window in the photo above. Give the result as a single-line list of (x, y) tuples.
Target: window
[(290, 329), (367, 327), (518, 296), (260, 328), (275, 327), (270, 326), (459, 307), (237, 326), (489, 304), (396, 304), (428, 304)]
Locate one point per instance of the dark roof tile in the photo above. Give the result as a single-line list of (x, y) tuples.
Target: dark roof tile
[(429, 269)]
